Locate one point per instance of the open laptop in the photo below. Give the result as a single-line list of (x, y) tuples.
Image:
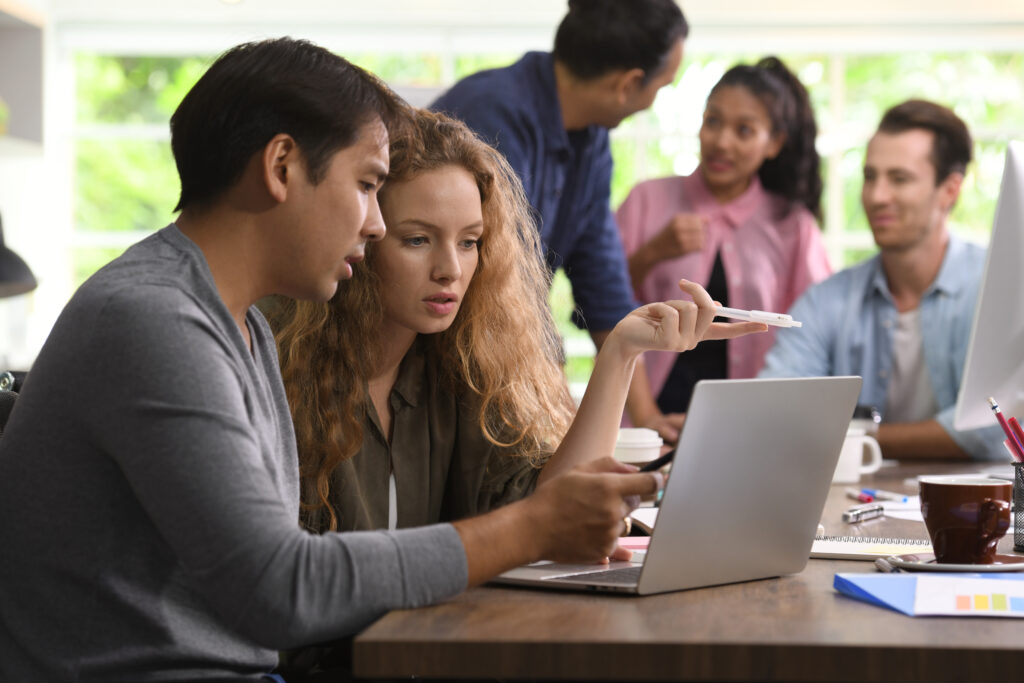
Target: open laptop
[(749, 480)]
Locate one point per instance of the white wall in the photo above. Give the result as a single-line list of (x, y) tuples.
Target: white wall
[(863, 26)]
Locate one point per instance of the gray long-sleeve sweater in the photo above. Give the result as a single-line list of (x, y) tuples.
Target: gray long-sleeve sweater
[(149, 497)]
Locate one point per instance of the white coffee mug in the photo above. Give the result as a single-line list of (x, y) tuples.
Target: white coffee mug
[(851, 459)]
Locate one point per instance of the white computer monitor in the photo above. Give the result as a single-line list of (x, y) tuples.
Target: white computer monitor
[(995, 354)]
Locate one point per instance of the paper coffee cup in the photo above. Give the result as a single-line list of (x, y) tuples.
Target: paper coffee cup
[(637, 445)]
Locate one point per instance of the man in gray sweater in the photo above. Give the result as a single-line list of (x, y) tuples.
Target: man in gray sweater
[(149, 485)]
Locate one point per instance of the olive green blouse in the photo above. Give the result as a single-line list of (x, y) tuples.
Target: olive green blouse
[(444, 467)]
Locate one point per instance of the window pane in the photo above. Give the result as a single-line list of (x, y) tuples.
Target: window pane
[(124, 185), (852, 171), (637, 160), (562, 305), (470, 64), (87, 260), (405, 69), (984, 89), (974, 211), (133, 90)]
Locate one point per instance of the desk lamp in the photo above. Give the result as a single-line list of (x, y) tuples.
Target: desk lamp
[(15, 275)]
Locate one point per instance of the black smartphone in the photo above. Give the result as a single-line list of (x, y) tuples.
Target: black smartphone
[(659, 463)]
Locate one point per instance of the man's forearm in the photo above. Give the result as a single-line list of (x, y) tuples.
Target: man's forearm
[(498, 541), (925, 440), (576, 517)]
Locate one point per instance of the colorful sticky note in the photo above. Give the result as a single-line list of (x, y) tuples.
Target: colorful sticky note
[(634, 542)]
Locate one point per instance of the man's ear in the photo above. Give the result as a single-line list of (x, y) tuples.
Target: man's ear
[(279, 159), (949, 190), (628, 82)]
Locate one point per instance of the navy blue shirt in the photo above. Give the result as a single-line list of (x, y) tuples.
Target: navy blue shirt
[(566, 175)]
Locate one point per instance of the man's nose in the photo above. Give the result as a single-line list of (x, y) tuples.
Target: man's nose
[(373, 227)]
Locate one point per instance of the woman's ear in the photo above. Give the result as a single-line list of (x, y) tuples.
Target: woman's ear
[(775, 145)]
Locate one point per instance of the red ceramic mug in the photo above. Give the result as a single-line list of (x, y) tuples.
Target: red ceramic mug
[(965, 517)]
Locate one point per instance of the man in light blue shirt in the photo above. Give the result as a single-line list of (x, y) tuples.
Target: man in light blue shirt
[(902, 319)]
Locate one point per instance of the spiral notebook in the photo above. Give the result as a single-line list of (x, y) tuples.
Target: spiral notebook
[(826, 547), (866, 547)]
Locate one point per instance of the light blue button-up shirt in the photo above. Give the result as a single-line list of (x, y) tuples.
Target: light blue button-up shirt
[(848, 326)]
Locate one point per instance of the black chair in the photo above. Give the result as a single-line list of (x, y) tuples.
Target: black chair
[(7, 398)]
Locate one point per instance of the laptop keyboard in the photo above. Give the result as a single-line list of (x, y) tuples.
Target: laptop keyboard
[(626, 575)]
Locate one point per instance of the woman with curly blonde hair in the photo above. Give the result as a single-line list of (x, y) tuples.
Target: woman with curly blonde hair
[(430, 388)]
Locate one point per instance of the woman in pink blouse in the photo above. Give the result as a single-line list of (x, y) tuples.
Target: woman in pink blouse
[(743, 225)]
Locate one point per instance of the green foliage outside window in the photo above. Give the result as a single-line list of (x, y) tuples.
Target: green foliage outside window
[(419, 69), (124, 186), (125, 179), (470, 64), (128, 90), (110, 170)]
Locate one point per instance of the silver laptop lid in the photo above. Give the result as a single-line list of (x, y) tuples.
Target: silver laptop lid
[(749, 480)]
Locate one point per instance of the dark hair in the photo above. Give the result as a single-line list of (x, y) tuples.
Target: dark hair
[(795, 172), (598, 36), (257, 90), (952, 148)]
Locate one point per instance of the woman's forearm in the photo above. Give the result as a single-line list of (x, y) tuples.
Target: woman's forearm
[(593, 432)]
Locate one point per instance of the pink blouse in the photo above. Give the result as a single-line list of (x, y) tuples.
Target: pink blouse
[(771, 251)]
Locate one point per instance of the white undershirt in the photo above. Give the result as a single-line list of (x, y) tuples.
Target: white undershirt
[(911, 398), (392, 503)]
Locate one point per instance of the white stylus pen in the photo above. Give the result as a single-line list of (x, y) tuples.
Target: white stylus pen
[(775, 319)]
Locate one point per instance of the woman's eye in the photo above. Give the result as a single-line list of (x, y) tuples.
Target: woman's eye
[(470, 243), (367, 187), (415, 241)]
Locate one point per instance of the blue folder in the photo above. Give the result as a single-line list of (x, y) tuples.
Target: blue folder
[(896, 591)]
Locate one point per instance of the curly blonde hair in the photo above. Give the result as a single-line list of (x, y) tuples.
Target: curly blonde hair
[(502, 346)]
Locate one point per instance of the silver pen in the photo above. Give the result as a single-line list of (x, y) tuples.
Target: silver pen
[(859, 513), (766, 317)]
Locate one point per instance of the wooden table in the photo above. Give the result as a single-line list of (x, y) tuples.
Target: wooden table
[(795, 628)]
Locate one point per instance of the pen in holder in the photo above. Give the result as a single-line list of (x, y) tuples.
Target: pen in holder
[(1018, 506)]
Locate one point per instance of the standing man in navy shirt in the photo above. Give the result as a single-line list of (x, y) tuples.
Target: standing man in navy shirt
[(549, 114)]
